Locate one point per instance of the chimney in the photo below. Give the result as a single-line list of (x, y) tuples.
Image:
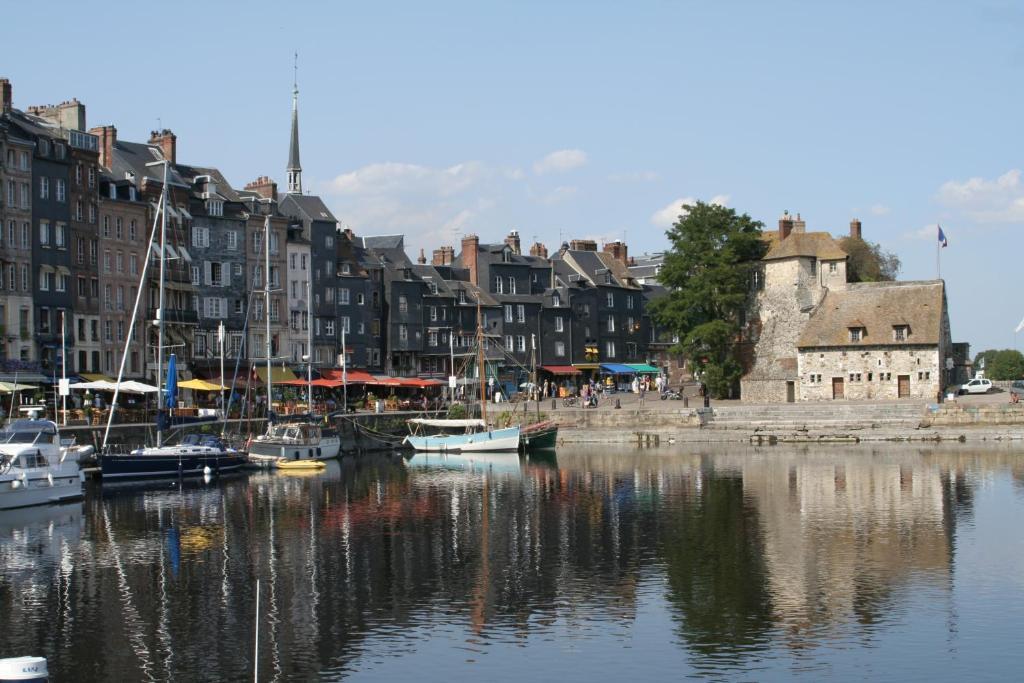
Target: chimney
[(618, 250), (69, 114), (855, 229), (583, 245), (168, 143), (422, 260), (350, 234), (443, 256), (107, 139), (470, 246), (513, 241), (6, 95), (538, 249), (799, 225), (785, 225), (264, 187)]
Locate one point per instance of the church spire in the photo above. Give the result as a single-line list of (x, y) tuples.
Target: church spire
[(294, 167)]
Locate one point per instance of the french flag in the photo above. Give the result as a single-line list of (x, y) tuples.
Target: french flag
[(943, 242)]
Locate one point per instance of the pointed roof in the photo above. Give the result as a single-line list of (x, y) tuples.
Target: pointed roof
[(293, 147)]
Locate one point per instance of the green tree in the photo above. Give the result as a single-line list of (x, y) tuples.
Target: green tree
[(1003, 364), (708, 271), (867, 261)]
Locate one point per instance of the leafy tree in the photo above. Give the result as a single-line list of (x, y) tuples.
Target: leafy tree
[(867, 261), (708, 271), (1005, 364)]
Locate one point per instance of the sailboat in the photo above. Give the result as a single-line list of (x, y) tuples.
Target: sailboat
[(296, 438), (198, 453), (465, 435), (541, 435)]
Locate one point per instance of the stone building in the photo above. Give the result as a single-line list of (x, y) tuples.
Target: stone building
[(817, 337)]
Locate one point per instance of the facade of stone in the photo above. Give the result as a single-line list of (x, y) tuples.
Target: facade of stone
[(16, 306)]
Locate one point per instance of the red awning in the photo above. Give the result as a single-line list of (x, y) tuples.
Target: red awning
[(354, 376), (329, 383), (561, 369), (415, 382)]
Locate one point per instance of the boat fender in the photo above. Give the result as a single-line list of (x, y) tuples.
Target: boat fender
[(49, 478)]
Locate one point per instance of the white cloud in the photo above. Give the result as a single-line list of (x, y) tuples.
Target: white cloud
[(561, 161), (879, 209), (986, 201), (559, 194), (669, 214)]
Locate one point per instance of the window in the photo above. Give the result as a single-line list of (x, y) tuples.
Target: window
[(855, 334), (520, 313), (346, 324), (44, 280), (611, 323), (433, 313), (105, 224), (214, 307), (432, 338), (559, 349), (44, 187), (346, 269), (61, 190), (511, 285), (119, 228), (132, 230), (44, 233), (556, 299), (499, 285), (119, 260), (520, 342), (899, 333), (302, 259), (26, 241), (403, 332), (59, 232), (200, 237), (403, 305), (609, 349), (375, 327), (462, 296), (329, 327), (195, 274), (108, 330), (83, 289), (611, 300), (62, 282), (199, 345), (343, 296), (508, 313), (92, 214), (509, 341), (92, 176), (120, 297), (360, 299), (329, 241), (629, 302), (106, 260), (133, 264), (832, 266), (814, 267), (559, 324)]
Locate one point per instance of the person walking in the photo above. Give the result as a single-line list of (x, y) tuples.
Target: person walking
[(643, 392)]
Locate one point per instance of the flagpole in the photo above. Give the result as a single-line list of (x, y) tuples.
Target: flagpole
[(938, 248)]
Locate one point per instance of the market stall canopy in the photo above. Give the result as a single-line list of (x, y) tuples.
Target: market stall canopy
[(618, 369), (329, 383), (644, 368), (278, 375), (353, 376), (129, 387), (95, 377), (561, 369), (413, 382), (201, 385), (10, 387)]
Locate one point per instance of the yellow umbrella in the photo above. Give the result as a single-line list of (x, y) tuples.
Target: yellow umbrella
[(200, 385), (8, 387)]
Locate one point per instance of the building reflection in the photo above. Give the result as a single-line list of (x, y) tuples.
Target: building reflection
[(747, 549)]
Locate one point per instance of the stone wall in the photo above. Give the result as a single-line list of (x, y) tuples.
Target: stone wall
[(952, 414), (869, 373)]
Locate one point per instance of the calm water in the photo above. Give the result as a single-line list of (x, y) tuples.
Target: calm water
[(894, 563)]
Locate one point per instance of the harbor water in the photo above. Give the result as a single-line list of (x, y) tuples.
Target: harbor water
[(888, 562)]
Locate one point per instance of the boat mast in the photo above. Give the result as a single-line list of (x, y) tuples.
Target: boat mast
[(220, 341), (266, 311), (160, 305), (64, 366), (309, 346), (480, 363)]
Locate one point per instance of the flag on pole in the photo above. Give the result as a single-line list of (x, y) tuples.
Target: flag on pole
[(943, 242), (1019, 327)]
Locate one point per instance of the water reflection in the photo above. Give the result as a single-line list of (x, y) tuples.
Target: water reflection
[(764, 560)]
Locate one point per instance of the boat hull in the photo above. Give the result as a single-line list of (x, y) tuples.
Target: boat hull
[(479, 442), (269, 453), (143, 465), (39, 490), (542, 439)]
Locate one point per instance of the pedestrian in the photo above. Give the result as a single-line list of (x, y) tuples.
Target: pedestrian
[(704, 394), (643, 393)]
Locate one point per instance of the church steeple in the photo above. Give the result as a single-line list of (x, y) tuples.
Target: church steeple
[(294, 167)]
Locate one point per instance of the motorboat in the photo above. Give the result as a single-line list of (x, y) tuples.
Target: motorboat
[(460, 436), (195, 455), (34, 468), (293, 441)]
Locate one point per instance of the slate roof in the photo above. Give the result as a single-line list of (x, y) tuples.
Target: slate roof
[(817, 244), (428, 273), (224, 188), (306, 206), (592, 264), (877, 307), (133, 156), (390, 247)]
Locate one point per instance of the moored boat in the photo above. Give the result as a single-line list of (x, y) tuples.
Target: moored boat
[(474, 437), (540, 436), (34, 469)]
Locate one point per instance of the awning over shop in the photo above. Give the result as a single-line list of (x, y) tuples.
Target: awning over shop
[(561, 369), (10, 387), (644, 369), (618, 369), (353, 376), (586, 366), (409, 382), (23, 377), (319, 382), (95, 377), (278, 375), (200, 385)]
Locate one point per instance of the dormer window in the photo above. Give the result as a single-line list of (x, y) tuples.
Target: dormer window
[(608, 278), (556, 299), (506, 256), (899, 332), (462, 296), (214, 207), (856, 333), (346, 269)]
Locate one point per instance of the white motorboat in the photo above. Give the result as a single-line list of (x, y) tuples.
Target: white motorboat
[(291, 441), (34, 468)]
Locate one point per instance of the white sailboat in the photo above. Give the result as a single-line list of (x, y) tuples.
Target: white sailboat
[(465, 435), (294, 439)]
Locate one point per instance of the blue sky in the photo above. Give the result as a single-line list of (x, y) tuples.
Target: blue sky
[(586, 119)]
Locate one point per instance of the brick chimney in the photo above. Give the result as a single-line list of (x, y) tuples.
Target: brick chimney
[(470, 247), (538, 249), (799, 224), (785, 225), (583, 245), (264, 187), (618, 250), (6, 95), (513, 241), (443, 256), (168, 143), (855, 229), (422, 258), (107, 139)]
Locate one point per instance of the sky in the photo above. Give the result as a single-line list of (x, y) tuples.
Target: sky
[(589, 119)]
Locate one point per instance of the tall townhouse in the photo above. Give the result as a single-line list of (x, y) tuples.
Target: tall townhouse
[(256, 254), (298, 276), (142, 166), (124, 230), (16, 312), (354, 302), (402, 311), (376, 323), (51, 216), (218, 270), (439, 320)]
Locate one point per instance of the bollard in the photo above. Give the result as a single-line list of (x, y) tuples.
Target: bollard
[(686, 401), (617, 404), (554, 404)]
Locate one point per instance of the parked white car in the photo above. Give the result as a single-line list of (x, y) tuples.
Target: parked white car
[(976, 386)]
